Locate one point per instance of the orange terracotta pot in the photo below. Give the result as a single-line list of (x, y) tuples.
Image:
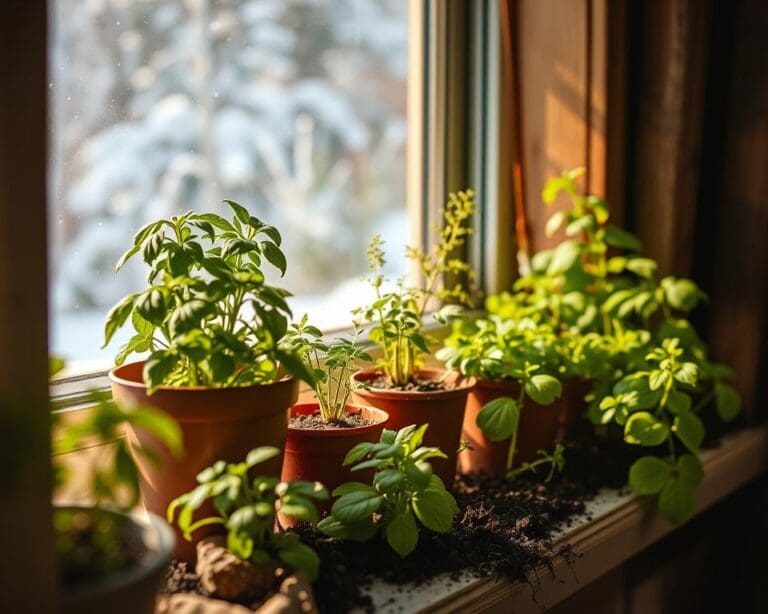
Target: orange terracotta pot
[(574, 406), (216, 423), (316, 455), (537, 430), (443, 410)]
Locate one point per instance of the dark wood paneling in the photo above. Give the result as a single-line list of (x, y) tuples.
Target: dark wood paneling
[(739, 293), (26, 567), (670, 87)]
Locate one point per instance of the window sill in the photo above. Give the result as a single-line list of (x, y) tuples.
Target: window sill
[(621, 526)]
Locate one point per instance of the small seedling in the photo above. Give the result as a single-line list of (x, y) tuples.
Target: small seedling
[(247, 509), (404, 494), (331, 364)]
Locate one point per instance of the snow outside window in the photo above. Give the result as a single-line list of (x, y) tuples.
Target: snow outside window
[(294, 108)]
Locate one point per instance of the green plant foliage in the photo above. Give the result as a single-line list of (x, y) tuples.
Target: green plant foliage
[(114, 481), (405, 494), (397, 315), (331, 365), (504, 349), (555, 460), (594, 307), (246, 507), (207, 318)]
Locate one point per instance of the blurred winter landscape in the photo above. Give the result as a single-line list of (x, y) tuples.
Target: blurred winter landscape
[(294, 108)]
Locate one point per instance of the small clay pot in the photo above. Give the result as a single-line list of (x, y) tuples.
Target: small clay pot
[(443, 410), (316, 455), (216, 424), (132, 590), (574, 406), (537, 430)]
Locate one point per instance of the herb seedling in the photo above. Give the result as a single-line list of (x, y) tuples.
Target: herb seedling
[(506, 350), (208, 318), (555, 460), (404, 494), (247, 509), (331, 365), (398, 315)]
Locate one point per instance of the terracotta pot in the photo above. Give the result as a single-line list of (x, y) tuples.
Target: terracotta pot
[(216, 423), (443, 410), (574, 406), (537, 430), (132, 590), (317, 455)]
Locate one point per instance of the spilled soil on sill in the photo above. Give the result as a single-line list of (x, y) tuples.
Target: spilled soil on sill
[(504, 528)]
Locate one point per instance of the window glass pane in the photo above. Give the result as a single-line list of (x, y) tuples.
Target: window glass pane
[(295, 108)]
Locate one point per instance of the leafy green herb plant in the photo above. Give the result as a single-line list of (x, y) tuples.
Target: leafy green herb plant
[(404, 494), (331, 364), (496, 349), (246, 507), (208, 317), (555, 460), (398, 315)]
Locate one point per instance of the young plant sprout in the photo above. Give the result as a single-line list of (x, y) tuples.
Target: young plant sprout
[(331, 364), (496, 349), (208, 318), (404, 493), (555, 460), (247, 508), (398, 315)]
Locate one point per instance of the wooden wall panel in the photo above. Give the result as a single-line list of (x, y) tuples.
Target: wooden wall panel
[(552, 45), (26, 567), (739, 293), (668, 128)]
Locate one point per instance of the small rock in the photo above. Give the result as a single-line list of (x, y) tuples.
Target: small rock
[(222, 574)]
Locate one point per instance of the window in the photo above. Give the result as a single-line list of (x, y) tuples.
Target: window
[(295, 108)]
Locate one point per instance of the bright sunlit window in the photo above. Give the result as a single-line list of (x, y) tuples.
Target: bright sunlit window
[(294, 108)]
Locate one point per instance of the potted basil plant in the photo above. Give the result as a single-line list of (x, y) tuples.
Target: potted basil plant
[(210, 326), (409, 392), (320, 433)]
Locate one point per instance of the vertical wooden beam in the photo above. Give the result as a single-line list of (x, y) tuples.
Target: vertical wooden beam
[(739, 295), (572, 94), (27, 579), (671, 89)]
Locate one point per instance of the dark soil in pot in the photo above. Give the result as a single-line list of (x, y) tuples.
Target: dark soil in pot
[(503, 528), (441, 406)]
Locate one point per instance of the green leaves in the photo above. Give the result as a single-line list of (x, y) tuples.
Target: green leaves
[(681, 294), (356, 506), (643, 429), (616, 237), (543, 389), (499, 418), (727, 401), (208, 306), (248, 508), (674, 483), (402, 533), (404, 490), (648, 475), (689, 429), (435, 508)]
